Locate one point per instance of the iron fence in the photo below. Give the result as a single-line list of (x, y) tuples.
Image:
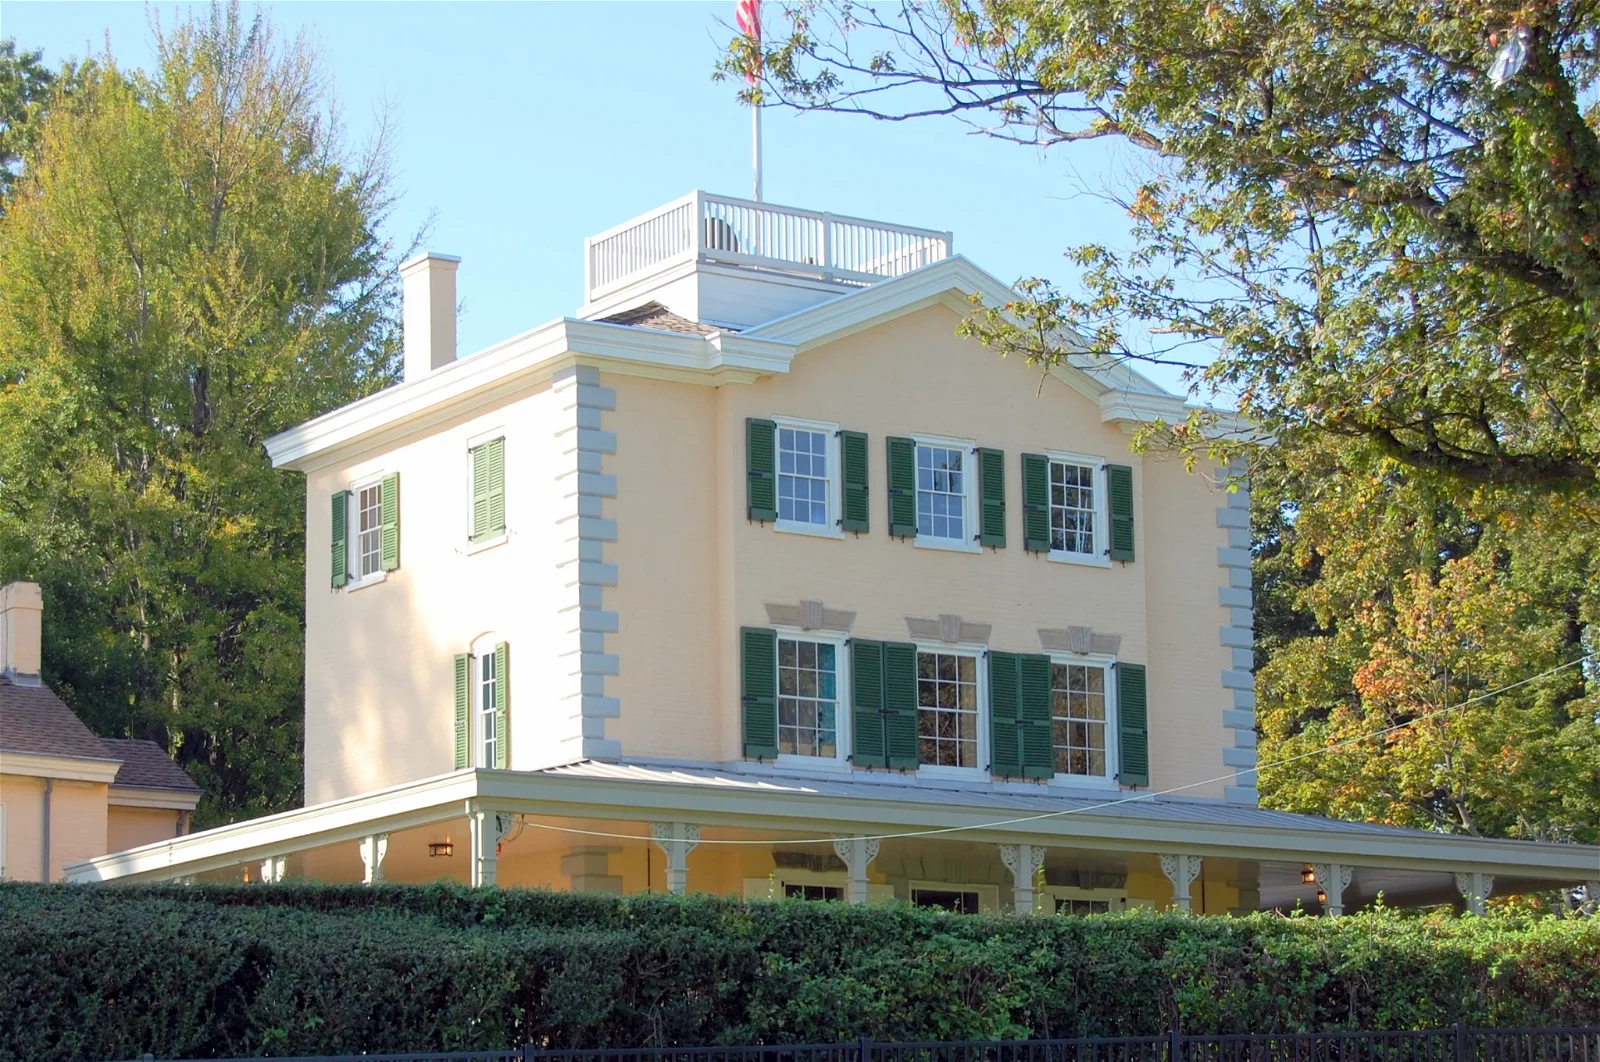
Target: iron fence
[(1455, 1044)]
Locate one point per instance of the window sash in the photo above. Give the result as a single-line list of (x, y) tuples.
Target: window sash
[(1075, 502), (486, 709), (809, 697), (369, 530), (948, 715), (1081, 727), (943, 485), (805, 475)]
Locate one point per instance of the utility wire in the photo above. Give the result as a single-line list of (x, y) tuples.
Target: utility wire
[(1133, 798)]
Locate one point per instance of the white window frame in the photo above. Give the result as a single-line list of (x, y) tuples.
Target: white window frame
[(988, 895), (771, 887), (968, 543), (840, 642), (1117, 899), (354, 580), (482, 646), (1101, 558), (981, 652), (1088, 781), (475, 441), (830, 528)]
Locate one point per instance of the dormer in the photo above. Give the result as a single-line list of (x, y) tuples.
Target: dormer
[(730, 264)]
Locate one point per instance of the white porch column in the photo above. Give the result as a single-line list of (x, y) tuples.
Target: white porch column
[(1475, 888), (1334, 878), (488, 829), (273, 869), (1181, 870), (373, 849), (1024, 861), (677, 839), (857, 853)]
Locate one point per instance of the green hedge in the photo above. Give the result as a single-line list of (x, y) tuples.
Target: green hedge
[(112, 972)]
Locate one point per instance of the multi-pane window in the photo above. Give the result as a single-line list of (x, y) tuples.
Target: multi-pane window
[(487, 704), (813, 892), (808, 698), (941, 492), (1072, 512), (1078, 718), (947, 709), (369, 530), (1066, 906), (803, 476), (961, 901)]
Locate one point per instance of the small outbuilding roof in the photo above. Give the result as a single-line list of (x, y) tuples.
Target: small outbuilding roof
[(146, 765), (34, 720)]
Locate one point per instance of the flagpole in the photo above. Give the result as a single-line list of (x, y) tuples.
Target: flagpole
[(755, 143)]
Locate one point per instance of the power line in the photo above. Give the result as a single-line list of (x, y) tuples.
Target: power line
[(1133, 798)]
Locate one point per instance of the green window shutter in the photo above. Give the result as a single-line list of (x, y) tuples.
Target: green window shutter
[(463, 699), (341, 515), (488, 489), (900, 705), (760, 448), (853, 471), (902, 487), (991, 498), (866, 702), (1119, 497), (758, 669), (391, 521), (1005, 739), (1133, 732), (1033, 716), (1036, 503), (502, 704)]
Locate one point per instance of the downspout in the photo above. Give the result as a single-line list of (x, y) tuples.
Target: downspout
[(44, 873)]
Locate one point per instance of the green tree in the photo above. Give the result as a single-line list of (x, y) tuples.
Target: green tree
[(24, 86), (189, 262), (1379, 241)]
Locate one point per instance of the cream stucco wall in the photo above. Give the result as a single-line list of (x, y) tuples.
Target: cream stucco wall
[(77, 824), (379, 658), (692, 569), (128, 827)]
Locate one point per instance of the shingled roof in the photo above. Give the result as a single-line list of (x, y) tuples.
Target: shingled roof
[(654, 315), (146, 765), (34, 720)]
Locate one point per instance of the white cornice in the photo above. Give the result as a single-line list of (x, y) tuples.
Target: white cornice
[(791, 807), (715, 359), (75, 768), (144, 796)]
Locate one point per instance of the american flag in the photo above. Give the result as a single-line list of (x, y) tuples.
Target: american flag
[(747, 13)]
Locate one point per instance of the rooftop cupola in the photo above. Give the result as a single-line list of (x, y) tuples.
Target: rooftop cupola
[(735, 263)]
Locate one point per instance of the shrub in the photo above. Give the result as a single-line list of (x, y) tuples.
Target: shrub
[(195, 971)]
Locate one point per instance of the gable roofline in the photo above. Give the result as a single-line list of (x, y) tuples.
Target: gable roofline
[(719, 357)]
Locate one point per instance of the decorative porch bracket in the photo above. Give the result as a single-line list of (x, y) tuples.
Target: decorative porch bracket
[(373, 849), (1181, 870), (857, 853), (273, 869), (677, 839), (1334, 879), (488, 829), (1024, 861), (1475, 888)]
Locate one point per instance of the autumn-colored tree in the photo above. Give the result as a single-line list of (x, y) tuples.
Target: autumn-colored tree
[(189, 262)]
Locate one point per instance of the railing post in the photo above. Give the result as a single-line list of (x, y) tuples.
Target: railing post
[(1174, 1045), (1461, 1042), (698, 222), (827, 246), (863, 1050)]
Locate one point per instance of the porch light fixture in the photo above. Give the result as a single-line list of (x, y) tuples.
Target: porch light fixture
[(1308, 875), (1322, 896), (441, 848)]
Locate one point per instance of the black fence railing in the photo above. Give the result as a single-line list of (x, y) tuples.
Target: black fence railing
[(1455, 1044)]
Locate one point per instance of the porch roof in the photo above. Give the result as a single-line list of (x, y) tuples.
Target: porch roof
[(754, 799)]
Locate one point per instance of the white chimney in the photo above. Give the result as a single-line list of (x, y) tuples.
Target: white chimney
[(428, 312), (21, 628)]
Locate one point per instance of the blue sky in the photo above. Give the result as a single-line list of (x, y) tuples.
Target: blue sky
[(521, 128)]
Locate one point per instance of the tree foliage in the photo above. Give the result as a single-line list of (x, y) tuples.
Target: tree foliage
[(189, 262), (24, 86), (1381, 242)]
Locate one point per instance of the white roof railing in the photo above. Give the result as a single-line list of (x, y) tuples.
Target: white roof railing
[(741, 232)]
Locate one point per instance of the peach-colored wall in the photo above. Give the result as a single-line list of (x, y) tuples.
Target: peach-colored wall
[(77, 824), (692, 569), (379, 671), (128, 827)]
